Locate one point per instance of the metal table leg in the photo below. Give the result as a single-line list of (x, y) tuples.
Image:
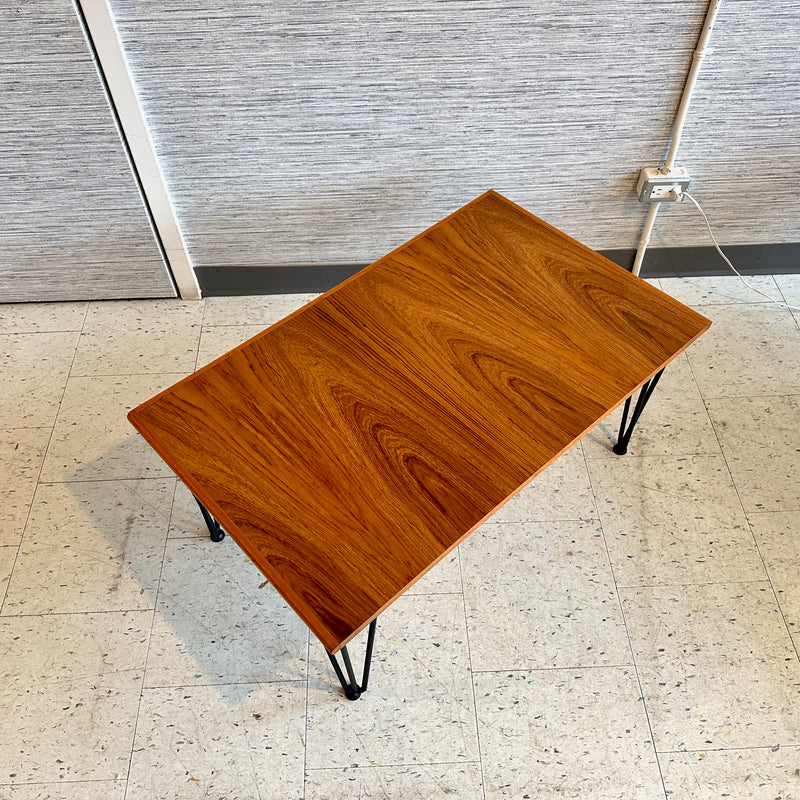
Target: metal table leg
[(214, 529), (351, 689), (621, 447)]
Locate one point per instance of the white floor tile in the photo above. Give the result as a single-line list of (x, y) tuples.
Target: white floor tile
[(7, 557), (70, 694), (92, 546), (419, 705), (186, 520), (21, 455), (262, 310), (41, 317), (139, 337), (66, 790), (763, 774), (750, 350), (789, 286), (415, 782), (217, 340), (760, 440), (673, 520), (717, 666), (562, 491), (552, 603), (241, 741), (719, 290), (778, 537), (34, 367), (444, 578), (215, 624), (565, 733), (93, 439)]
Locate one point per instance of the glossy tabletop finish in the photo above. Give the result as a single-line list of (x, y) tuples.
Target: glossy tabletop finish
[(352, 445)]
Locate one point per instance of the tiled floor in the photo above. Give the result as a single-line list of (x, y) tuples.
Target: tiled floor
[(625, 628)]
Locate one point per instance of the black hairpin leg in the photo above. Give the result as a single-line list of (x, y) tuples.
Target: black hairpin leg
[(217, 534), (621, 447), (351, 689)]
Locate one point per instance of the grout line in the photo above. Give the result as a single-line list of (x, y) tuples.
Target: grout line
[(350, 767), (168, 476), (142, 686), (187, 686), (750, 526), (579, 667), (770, 747), (204, 301), (471, 675), (627, 633)]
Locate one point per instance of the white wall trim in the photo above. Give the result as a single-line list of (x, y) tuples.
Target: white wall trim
[(107, 44)]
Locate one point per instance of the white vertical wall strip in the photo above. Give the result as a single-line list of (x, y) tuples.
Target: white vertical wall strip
[(105, 39)]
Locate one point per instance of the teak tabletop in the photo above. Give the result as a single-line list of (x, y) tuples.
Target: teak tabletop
[(352, 445)]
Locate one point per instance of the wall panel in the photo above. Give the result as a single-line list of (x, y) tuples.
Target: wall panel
[(322, 132), (73, 222)]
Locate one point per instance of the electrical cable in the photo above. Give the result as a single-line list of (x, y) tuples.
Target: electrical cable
[(727, 260)]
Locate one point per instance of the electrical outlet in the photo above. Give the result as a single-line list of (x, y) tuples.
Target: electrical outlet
[(655, 186)]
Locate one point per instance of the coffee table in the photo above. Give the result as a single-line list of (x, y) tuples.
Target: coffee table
[(351, 446)]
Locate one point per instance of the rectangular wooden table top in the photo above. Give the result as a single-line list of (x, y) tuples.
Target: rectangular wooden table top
[(352, 445)]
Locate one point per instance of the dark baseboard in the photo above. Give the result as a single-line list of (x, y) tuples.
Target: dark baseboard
[(660, 262), (684, 262)]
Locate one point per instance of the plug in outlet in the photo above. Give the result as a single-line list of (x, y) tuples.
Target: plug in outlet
[(655, 186)]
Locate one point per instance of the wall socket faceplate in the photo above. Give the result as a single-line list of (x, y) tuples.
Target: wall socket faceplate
[(656, 186)]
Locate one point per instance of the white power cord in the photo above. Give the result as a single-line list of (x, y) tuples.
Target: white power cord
[(727, 260)]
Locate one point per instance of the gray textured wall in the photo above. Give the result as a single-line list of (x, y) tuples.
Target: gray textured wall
[(318, 132), (72, 223)]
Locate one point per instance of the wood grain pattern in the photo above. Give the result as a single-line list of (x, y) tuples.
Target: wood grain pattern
[(351, 446)]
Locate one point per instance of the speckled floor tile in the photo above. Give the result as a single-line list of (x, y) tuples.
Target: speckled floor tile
[(93, 439), (186, 520), (673, 520), (92, 546), (240, 741), (444, 578), (70, 694), (565, 733), (712, 290), (778, 537), (562, 491), (139, 337), (218, 340), (214, 624), (34, 367), (789, 286), (761, 774), (21, 455), (263, 310), (551, 603), (66, 790), (674, 422), (717, 666), (7, 557), (416, 782), (419, 705), (749, 350), (41, 317), (761, 441)]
